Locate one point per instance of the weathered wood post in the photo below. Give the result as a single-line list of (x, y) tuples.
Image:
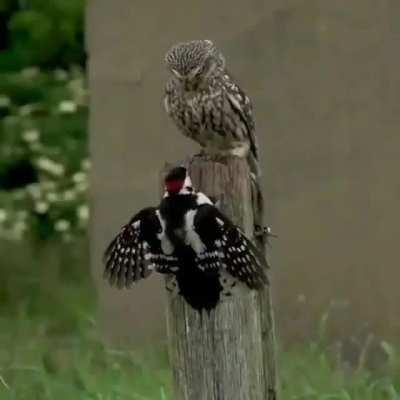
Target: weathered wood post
[(229, 354)]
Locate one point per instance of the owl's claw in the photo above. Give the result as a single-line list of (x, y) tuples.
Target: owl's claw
[(263, 232), (221, 157), (201, 154), (212, 156)]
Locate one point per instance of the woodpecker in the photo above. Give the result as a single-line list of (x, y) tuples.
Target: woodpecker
[(205, 256), (208, 106)]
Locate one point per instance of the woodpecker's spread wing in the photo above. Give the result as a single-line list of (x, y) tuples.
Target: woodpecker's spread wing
[(137, 250), (224, 245)]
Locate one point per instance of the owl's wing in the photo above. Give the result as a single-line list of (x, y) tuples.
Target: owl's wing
[(242, 107)]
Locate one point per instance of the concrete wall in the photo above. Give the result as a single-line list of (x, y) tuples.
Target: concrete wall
[(324, 78)]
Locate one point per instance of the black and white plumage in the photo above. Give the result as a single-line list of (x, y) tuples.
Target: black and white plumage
[(204, 254), (209, 107)]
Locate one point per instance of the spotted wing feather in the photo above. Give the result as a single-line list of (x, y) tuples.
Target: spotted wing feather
[(226, 246), (136, 251), (243, 260)]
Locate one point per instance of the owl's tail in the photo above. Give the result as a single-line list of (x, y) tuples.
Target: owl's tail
[(257, 199)]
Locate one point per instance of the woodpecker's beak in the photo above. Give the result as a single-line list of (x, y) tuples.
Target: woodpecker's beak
[(188, 182)]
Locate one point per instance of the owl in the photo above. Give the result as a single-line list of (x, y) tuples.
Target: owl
[(208, 106)]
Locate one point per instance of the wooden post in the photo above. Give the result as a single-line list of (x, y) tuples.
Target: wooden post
[(229, 354)]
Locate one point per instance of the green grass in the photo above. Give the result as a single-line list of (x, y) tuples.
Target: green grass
[(51, 347), (312, 373), (40, 364)]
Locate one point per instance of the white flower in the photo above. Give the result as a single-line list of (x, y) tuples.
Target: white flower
[(86, 164), (26, 110), (50, 166), (67, 237), (20, 227), (69, 195), (34, 190), (77, 87), (62, 225), (83, 212), (17, 230), (67, 107), (31, 135), (52, 197), (5, 101), (81, 187), (78, 90), (23, 214), (79, 177), (3, 215), (60, 74), (30, 72), (41, 207), (36, 146), (48, 185)]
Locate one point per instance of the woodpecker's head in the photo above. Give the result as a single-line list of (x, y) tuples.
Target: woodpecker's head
[(191, 63), (178, 182)]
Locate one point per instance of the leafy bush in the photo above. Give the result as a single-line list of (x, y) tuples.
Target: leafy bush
[(43, 154), (42, 32)]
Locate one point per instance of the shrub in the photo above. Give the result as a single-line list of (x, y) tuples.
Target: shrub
[(43, 154), (44, 33)]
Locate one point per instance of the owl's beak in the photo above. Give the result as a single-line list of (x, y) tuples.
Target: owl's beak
[(193, 72), (177, 74)]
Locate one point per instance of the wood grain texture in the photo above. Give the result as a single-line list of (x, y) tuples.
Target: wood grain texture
[(229, 354)]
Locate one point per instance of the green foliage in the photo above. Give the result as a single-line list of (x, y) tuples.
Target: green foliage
[(7, 5), (43, 154), (45, 33)]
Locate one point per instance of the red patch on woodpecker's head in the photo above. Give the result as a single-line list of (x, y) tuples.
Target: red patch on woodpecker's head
[(174, 186), (175, 179)]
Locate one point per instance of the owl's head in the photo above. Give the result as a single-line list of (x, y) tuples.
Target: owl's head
[(192, 62)]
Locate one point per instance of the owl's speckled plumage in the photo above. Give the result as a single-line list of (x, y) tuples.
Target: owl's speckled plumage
[(205, 102), (184, 57), (208, 106)]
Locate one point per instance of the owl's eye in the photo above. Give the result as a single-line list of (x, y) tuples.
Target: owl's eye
[(195, 72)]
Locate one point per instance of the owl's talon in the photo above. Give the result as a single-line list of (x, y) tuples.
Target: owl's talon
[(263, 232), (201, 154), (218, 158)]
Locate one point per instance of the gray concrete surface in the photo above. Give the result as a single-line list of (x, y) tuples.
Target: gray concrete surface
[(324, 78)]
